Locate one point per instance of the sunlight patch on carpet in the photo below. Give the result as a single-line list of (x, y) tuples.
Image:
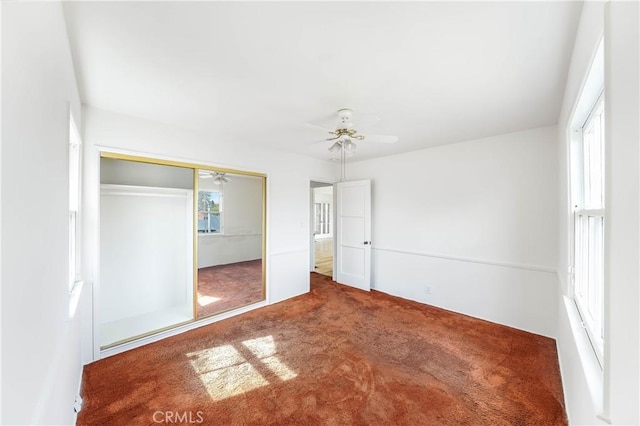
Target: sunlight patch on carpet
[(225, 371), (261, 347), (207, 300), (264, 348), (279, 368)]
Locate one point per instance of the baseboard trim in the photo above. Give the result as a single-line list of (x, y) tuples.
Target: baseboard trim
[(469, 260), (104, 353), (78, 393)]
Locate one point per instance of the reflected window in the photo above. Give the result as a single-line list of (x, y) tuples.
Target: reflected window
[(210, 212)]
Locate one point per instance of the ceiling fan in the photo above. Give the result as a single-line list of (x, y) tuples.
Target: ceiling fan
[(218, 177), (345, 134)]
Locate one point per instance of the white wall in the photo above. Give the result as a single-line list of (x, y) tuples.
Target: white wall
[(622, 224), (1, 138), (242, 221), (288, 178), (146, 250), (476, 222), (618, 395), (41, 364)]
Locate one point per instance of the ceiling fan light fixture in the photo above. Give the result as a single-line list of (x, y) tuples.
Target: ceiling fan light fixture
[(335, 147), (349, 146), (345, 134)]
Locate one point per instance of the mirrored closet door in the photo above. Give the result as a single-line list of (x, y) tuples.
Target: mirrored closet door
[(230, 243), (178, 243)]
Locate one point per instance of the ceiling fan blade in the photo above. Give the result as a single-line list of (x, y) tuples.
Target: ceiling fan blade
[(381, 138), (324, 140), (315, 126), (365, 121), (221, 178)]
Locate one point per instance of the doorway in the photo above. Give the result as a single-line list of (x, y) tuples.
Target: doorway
[(322, 227)]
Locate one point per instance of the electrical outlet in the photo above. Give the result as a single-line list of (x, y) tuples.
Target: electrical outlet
[(427, 289), (77, 404)]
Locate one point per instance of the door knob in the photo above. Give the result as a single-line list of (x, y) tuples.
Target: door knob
[(367, 242)]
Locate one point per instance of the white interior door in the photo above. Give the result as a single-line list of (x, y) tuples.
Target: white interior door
[(353, 236)]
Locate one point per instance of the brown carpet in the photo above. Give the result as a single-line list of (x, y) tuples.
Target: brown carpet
[(225, 287), (335, 356)]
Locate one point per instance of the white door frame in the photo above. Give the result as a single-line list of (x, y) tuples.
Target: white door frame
[(312, 220)]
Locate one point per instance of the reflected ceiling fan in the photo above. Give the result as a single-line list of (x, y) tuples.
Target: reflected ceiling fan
[(218, 177), (345, 133)]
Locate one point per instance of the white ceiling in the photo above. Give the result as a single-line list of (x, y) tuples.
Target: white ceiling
[(255, 73)]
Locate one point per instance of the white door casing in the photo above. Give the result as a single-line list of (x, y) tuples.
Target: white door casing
[(353, 234)]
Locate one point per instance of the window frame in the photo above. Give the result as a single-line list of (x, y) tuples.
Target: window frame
[(74, 279), (220, 192), (322, 219), (586, 213)]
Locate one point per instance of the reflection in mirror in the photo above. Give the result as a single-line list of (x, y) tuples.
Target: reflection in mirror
[(230, 220)]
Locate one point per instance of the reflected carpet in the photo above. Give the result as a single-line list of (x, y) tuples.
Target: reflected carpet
[(225, 287), (334, 356)]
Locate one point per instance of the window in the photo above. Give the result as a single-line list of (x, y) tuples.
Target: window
[(209, 212), (589, 213), (74, 280), (322, 213)]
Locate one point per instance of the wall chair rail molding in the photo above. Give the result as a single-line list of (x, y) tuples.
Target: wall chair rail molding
[(536, 268)]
